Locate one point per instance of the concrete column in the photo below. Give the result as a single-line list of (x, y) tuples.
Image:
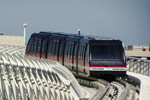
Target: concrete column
[(25, 29)]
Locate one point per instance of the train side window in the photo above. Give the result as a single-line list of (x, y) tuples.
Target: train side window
[(29, 46), (53, 47), (32, 47), (79, 51), (39, 46), (76, 49), (83, 53), (61, 48), (66, 49), (56, 47), (35, 45), (86, 52), (50, 46), (52, 42), (44, 46), (71, 51)]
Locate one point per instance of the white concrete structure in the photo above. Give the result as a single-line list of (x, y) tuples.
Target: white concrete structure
[(140, 69), (144, 87), (11, 49), (12, 40), (138, 48), (35, 78), (137, 53)]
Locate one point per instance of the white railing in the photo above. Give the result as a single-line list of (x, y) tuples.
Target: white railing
[(9, 49), (138, 65)]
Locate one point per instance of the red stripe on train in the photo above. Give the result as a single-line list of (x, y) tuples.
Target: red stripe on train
[(110, 66)]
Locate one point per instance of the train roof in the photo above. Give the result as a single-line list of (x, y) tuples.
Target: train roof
[(86, 39), (115, 42), (38, 35), (74, 37), (59, 33)]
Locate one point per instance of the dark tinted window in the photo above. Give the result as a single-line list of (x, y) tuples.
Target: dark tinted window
[(53, 47), (111, 51), (61, 48), (50, 45), (29, 45), (39, 45), (76, 49), (83, 52), (71, 50), (35, 45), (44, 46), (66, 48), (56, 48)]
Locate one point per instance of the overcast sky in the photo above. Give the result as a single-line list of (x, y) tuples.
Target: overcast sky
[(128, 20)]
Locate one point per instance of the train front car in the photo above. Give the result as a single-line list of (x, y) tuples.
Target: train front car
[(107, 57)]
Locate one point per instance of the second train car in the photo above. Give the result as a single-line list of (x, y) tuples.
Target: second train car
[(83, 55)]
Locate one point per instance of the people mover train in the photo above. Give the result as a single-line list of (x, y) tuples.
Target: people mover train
[(83, 55)]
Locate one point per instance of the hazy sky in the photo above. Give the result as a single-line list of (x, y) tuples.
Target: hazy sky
[(128, 20)]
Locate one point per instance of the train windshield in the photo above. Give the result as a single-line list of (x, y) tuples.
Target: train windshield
[(106, 50)]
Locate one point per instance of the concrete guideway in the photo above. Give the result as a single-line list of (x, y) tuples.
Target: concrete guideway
[(144, 87)]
